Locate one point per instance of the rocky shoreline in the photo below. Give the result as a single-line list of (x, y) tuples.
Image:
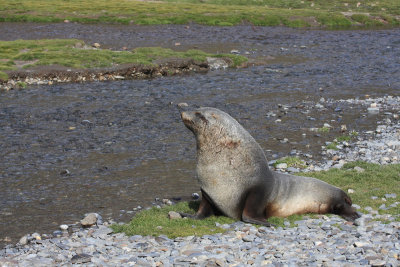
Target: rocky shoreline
[(381, 146), (324, 241)]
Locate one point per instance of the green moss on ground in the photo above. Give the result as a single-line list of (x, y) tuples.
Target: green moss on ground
[(376, 180), (292, 13), (155, 222), (75, 54)]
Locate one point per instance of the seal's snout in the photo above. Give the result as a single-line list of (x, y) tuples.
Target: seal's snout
[(185, 116), (187, 120)]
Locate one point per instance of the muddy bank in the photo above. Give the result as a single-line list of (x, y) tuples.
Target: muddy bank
[(59, 74)]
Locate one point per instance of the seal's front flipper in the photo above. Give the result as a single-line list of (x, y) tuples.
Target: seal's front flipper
[(206, 208), (257, 221), (253, 212), (187, 215)]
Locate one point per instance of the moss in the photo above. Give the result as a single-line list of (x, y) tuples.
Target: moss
[(73, 53)]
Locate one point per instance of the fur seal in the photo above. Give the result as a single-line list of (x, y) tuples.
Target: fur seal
[(236, 181)]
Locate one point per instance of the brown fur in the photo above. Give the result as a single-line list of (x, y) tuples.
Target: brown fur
[(235, 179)]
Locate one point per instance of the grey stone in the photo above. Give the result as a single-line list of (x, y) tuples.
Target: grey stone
[(172, 215), (64, 227), (216, 63), (23, 240), (89, 220), (81, 258), (377, 262), (281, 166)]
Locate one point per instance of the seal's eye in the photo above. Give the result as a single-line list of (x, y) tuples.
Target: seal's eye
[(201, 116)]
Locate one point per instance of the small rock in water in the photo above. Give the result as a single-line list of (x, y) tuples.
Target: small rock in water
[(23, 240), (89, 220), (36, 236), (65, 172), (234, 51), (182, 105), (373, 110), (63, 227)]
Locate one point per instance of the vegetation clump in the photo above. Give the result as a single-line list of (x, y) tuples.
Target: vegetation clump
[(294, 162)]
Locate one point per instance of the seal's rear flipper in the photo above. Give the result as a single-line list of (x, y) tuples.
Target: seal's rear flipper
[(253, 212), (257, 221)]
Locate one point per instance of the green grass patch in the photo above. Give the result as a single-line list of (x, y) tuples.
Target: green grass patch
[(155, 222), (75, 54), (366, 20), (376, 180), (292, 13), (295, 162), (3, 76), (333, 146), (324, 129), (340, 139)]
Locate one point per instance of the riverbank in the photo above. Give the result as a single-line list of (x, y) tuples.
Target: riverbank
[(325, 240), (48, 61)]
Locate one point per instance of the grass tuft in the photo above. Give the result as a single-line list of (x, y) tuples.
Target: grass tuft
[(3, 76)]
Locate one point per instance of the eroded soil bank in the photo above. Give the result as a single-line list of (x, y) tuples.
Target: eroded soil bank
[(107, 147)]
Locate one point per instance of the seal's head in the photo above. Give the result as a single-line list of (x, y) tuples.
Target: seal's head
[(342, 207), (213, 127)]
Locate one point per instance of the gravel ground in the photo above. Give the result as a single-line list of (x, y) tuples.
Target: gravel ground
[(325, 241), (381, 146)]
